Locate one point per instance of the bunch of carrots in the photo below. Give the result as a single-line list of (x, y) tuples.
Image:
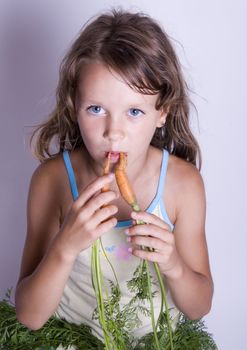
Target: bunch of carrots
[(128, 195)]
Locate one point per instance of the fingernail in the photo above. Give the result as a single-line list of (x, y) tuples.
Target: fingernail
[(128, 239), (130, 250), (126, 231), (111, 176)]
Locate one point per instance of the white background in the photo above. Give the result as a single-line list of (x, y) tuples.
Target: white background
[(211, 43)]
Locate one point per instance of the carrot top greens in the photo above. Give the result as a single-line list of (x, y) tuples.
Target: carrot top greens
[(188, 335)]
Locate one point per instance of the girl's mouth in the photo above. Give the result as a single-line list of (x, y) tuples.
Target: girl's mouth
[(113, 156)]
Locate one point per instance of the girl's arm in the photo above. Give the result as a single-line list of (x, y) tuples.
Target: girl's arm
[(50, 250), (189, 279), (182, 254)]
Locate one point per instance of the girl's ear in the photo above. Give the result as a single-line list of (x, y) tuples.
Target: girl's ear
[(162, 118)]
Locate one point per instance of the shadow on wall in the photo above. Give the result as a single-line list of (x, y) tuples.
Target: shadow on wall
[(29, 72)]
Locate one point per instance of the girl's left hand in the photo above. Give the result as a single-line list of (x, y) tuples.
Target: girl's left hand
[(157, 235)]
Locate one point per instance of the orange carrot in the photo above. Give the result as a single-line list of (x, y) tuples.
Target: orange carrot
[(106, 171), (124, 184)]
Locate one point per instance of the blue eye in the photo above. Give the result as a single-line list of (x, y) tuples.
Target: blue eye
[(95, 109), (135, 112)]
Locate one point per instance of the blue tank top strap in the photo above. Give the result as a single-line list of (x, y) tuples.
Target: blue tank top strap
[(163, 171), (71, 174), (158, 199)]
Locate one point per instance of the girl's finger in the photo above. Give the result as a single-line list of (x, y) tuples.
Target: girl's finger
[(146, 255), (149, 218), (102, 199), (92, 189), (96, 203), (103, 214), (105, 226), (149, 242), (150, 230)]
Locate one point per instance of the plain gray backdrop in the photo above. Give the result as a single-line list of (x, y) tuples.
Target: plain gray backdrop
[(211, 43)]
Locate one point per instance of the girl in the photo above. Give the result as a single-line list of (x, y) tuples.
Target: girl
[(120, 90)]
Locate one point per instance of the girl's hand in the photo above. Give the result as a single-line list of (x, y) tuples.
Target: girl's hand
[(156, 235), (88, 218)]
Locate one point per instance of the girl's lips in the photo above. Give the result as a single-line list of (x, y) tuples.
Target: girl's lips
[(113, 156)]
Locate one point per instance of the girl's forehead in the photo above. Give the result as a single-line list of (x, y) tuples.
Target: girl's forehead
[(98, 81), (97, 72)]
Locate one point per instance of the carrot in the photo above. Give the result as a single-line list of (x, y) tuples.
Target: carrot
[(124, 185), (106, 171)]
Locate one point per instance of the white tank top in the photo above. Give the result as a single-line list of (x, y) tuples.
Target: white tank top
[(78, 300)]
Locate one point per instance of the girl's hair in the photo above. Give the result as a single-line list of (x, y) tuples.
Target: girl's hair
[(134, 46)]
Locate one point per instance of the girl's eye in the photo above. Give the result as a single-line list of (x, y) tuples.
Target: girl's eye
[(135, 112), (95, 110)]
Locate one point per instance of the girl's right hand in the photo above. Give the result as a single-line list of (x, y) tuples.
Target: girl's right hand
[(88, 218)]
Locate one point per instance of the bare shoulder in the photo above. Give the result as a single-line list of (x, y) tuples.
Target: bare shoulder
[(184, 173), (48, 178), (49, 168), (43, 212), (50, 196), (185, 184)]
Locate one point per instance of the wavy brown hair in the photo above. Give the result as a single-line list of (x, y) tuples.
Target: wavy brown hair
[(136, 47)]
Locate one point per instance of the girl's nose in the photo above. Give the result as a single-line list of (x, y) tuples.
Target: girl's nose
[(114, 131)]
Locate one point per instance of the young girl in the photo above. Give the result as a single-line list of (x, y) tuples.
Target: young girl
[(120, 90)]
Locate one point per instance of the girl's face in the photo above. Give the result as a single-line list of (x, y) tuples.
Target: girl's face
[(113, 117)]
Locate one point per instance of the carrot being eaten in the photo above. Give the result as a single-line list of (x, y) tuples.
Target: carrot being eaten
[(122, 180), (123, 183), (106, 171)]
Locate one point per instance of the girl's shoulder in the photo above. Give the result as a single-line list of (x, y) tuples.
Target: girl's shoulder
[(48, 182), (183, 185), (182, 171), (53, 169), (50, 188), (50, 170), (52, 173)]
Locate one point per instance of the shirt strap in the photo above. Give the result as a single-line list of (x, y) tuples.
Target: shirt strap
[(71, 174)]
